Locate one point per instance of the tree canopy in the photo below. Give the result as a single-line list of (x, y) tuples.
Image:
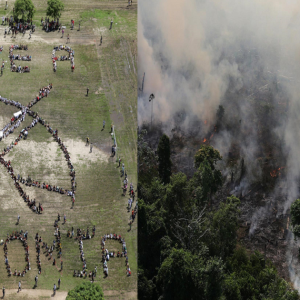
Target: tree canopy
[(164, 160), (87, 291), (188, 248), (24, 8), (54, 8), (295, 217)]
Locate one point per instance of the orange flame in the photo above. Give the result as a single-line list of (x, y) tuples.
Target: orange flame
[(276, 172), (211, 136), (204, 140)]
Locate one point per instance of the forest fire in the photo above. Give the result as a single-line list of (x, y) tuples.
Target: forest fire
[(204, 140)]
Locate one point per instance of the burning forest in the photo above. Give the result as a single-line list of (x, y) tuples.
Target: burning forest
[(234, 86)]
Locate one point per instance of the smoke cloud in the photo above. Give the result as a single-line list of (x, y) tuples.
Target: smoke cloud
[(243, 55)]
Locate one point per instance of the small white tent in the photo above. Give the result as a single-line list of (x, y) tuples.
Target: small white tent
[(17, 114)]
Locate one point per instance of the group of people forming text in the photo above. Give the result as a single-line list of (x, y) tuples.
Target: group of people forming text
[(70, 56)]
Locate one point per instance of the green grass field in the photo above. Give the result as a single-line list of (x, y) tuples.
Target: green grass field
[(110, 73)]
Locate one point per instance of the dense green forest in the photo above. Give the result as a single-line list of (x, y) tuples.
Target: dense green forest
[(187, 248)]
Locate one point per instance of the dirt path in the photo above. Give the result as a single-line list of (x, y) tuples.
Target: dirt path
[(34, 294), (47, 294)]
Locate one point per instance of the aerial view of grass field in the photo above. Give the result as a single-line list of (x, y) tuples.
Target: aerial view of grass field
[(64, 207)]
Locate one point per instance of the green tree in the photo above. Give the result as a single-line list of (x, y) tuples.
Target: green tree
[(86, 291), (164, 161), (209, 154), (54, 9), (185, 276), (205, 182), (25, 9), (295, 212), (231, 288), (147, 161), (222, 236)]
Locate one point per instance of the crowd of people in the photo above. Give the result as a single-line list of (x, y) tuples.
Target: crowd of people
[(70, 56), (48, 25), (14, 123), (9, 128), (38, 240), (106, 254), (13, 57), (18, 56), (81, 235), (72, 172), (23, 238), (56, 244), (23, 134)]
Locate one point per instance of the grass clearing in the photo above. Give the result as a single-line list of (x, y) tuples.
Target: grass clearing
[(110, 73)]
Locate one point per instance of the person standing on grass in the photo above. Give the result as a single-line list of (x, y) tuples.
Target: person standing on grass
[(19, 287), (3, 292), (111, 23), (91, 148), (65, 219), (59, 281), (87, 91), (63, 31), (61, 265), (73, 202), (130, 222), (101, 40), (103, 124), (68, 38), (54, 289), (36, 280), (87, 141), (18, 221)]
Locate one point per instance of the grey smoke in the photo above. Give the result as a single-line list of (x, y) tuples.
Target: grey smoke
[(200, 54)]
